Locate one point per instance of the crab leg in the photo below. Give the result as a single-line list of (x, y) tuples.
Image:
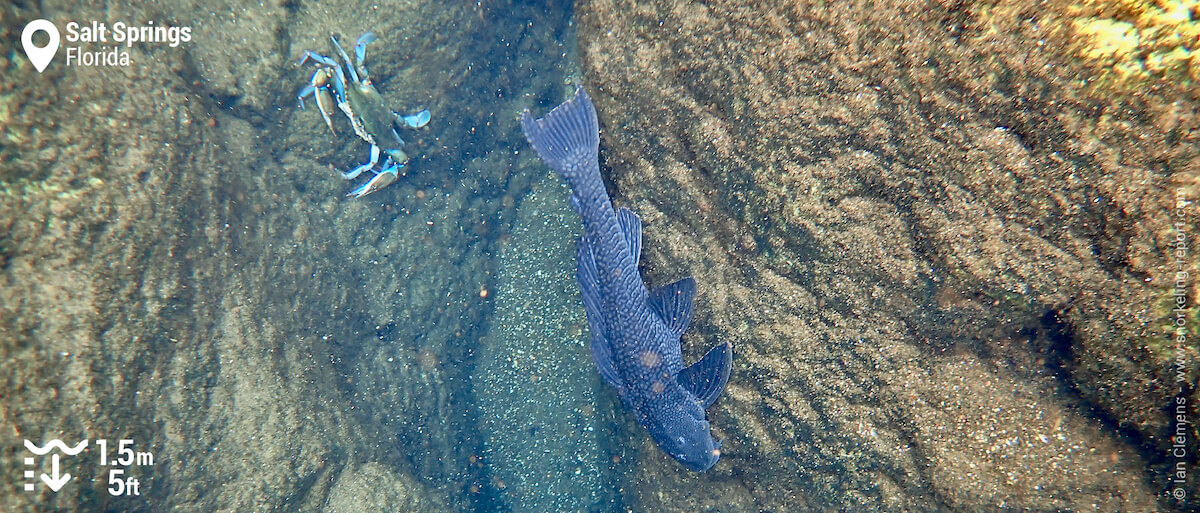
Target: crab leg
[(350, 175), (308, 89), (311, 55), (381, 179), (353, 74), (339, 83)]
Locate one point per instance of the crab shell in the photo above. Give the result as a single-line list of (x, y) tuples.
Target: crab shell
[(370, 117)]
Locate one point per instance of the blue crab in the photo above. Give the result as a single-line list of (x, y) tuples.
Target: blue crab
[(362, 104)]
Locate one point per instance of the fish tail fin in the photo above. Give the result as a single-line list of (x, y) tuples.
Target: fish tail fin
[(567, 138)]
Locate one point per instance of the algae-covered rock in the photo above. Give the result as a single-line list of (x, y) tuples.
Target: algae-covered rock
[(930, 245), (373, 487), (1131, 44)]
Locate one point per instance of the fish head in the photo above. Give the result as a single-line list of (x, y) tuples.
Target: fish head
[(684, 435)]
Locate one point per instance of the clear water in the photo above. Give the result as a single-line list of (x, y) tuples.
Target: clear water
[(180, 267)]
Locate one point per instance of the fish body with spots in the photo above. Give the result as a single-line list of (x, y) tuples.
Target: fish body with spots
[(635, 331)]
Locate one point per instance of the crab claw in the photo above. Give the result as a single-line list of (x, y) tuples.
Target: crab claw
[(417, 120), (360, 46), (319, 90), (381, 179), (398, 155)]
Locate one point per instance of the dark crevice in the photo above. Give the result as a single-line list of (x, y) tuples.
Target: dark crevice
[(1058, 332)]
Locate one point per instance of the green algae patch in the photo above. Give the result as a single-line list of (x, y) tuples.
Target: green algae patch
[(1133, 42)]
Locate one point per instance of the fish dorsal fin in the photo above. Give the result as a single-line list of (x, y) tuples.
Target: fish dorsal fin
[(707, 378), (673, 303), (631, 226)]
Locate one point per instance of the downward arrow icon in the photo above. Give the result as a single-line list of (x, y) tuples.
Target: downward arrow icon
[(55, 483)]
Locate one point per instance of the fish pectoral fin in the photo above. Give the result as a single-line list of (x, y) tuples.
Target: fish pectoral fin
[(589, 287), (673, 304), (602, 356), (706, 378), (631, 226), (589, 291)]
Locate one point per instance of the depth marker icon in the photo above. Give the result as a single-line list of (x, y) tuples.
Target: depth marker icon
[(54, 479)]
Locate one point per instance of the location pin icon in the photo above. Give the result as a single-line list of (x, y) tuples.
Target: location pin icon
[(40, 57)]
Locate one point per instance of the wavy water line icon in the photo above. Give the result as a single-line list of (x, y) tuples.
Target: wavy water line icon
[(41, 451)]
